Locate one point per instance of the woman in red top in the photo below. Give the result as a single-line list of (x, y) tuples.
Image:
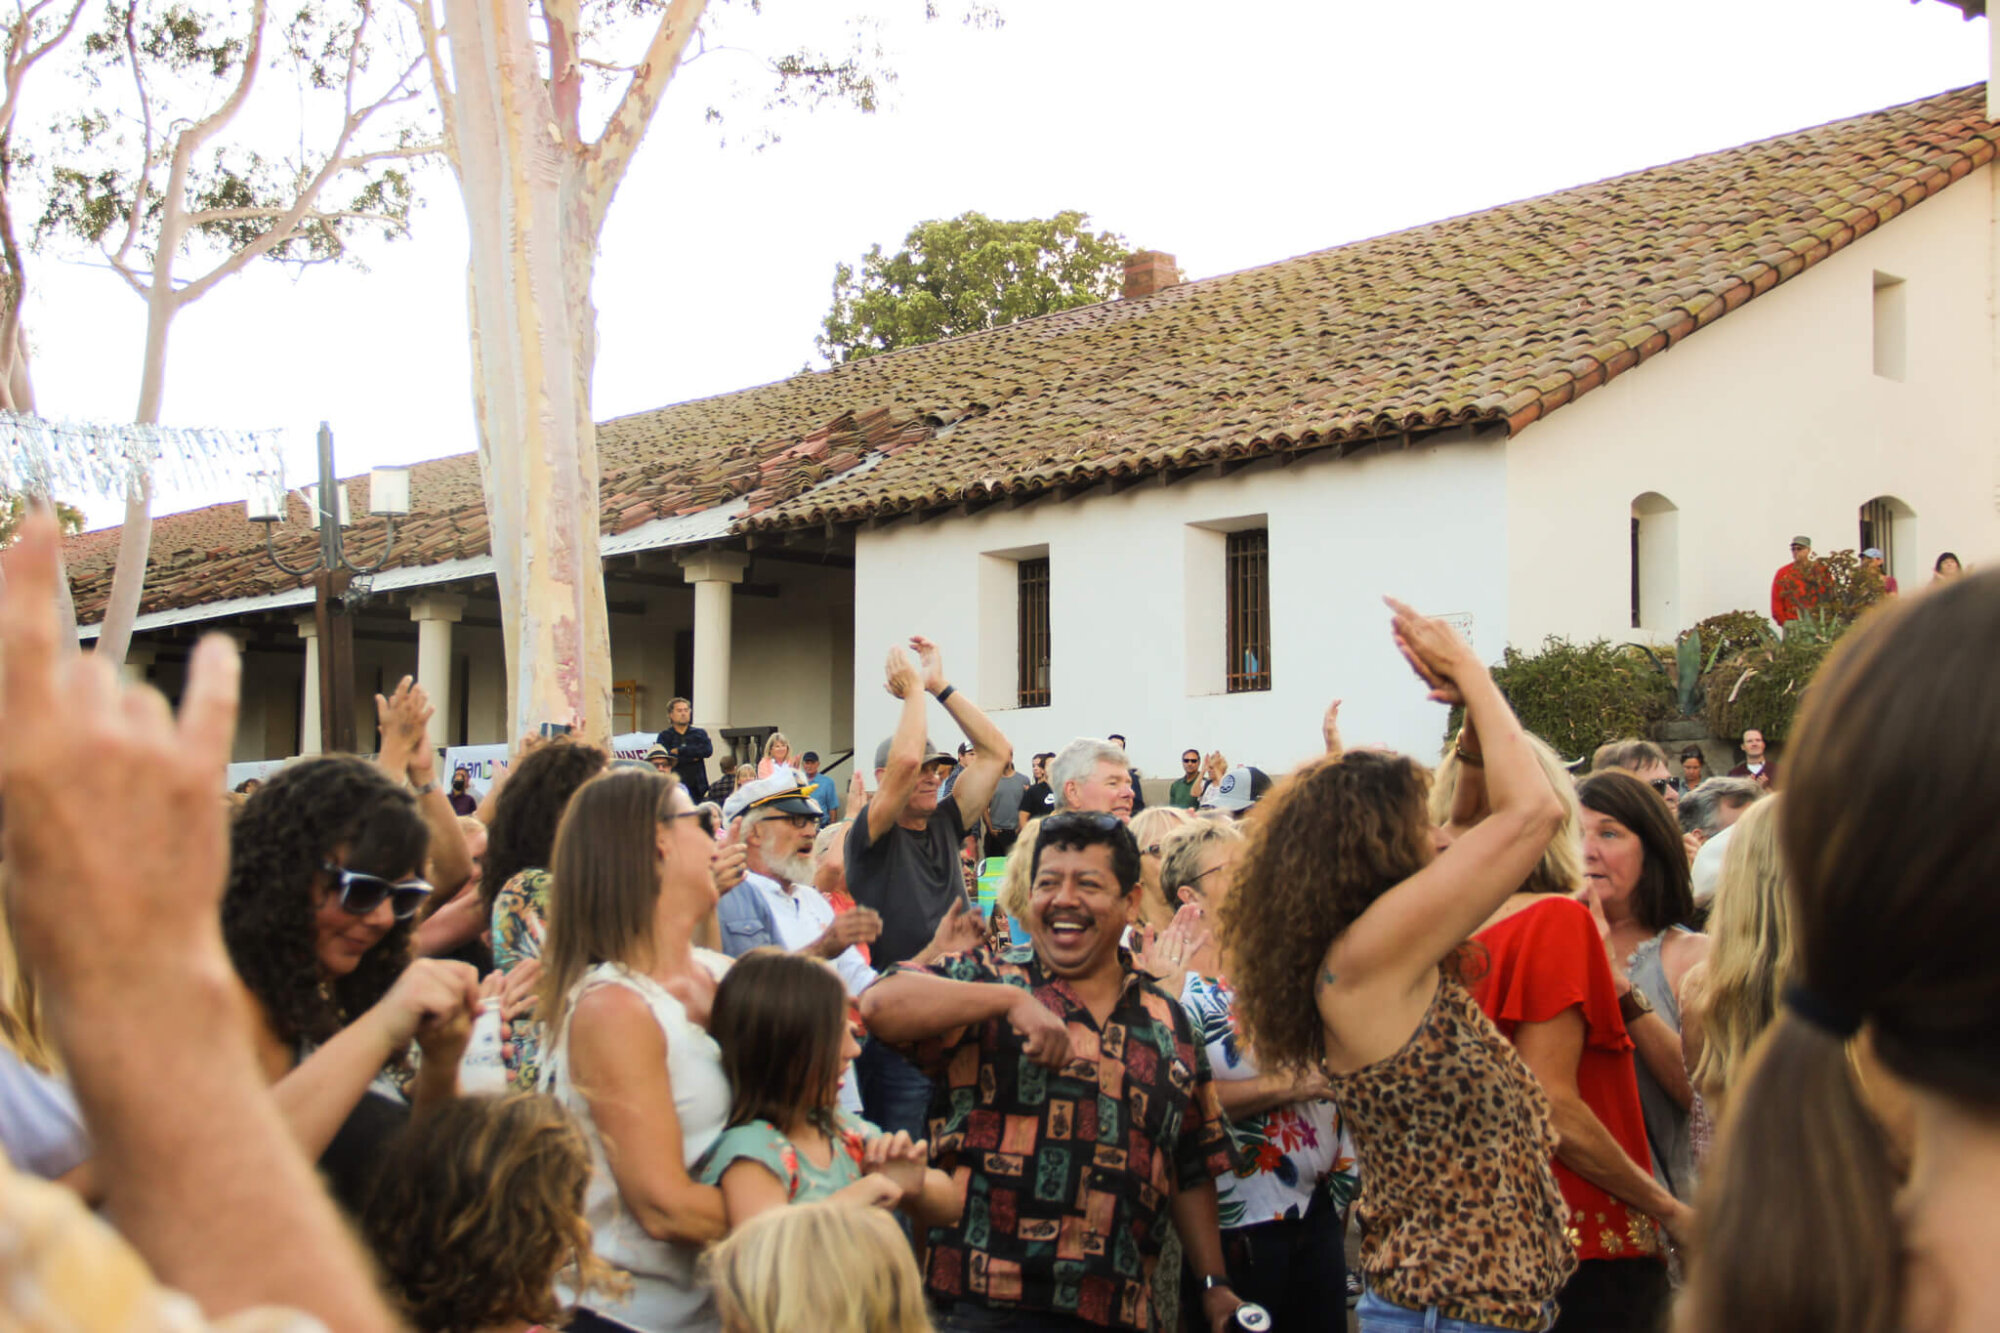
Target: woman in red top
[(1547, 986)]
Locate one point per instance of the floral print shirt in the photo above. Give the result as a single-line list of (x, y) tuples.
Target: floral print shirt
[(1285, 1155), (520, 920), (1067, 1172)]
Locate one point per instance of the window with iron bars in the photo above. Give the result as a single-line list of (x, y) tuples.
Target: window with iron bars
[(1248, 574), (1032, 619)]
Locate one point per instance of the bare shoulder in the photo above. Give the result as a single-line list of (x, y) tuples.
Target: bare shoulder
[(1680, 953), (614, 1015)]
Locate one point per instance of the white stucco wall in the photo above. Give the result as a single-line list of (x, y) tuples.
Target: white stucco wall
[(1770, 422), (1421, 523)]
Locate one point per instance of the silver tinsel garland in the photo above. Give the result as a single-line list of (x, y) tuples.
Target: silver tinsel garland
[(67, 460)]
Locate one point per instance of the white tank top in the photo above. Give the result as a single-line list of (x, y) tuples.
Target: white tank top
[(666, 1294)]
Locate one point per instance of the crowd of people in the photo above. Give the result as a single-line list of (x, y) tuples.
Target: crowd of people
[(619, 1046)]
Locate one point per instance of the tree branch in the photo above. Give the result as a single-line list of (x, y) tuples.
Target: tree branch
[(607, 160), (447, 96), (206, 128), (302, 205), (138, 210), (562, 19), (310, 215)]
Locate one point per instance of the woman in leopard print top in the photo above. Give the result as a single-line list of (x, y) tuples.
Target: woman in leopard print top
[(1342, 935)]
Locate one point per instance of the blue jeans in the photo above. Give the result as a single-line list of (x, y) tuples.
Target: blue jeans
[(1380, 1316), (894, 1093)]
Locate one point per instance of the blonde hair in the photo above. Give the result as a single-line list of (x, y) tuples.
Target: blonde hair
[(1158, 823), (1752, 952), (1185, 850), (1020, 874), (1561, 868), (774, 740), (22, 1027), (829, 1266)]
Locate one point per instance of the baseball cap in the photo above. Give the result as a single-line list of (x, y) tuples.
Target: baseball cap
[(1240, 788), (1872, 553), (809, 757), (931, 753), (784, 791), (1802, 541)]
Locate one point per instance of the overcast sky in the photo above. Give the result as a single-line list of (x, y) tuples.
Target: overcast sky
[(1287, 127)]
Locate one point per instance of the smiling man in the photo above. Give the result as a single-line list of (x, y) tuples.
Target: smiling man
[(1076, 1109), (1093, 775)]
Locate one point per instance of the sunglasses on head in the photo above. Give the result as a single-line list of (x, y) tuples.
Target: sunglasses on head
[(362, 893), (1077, 819)]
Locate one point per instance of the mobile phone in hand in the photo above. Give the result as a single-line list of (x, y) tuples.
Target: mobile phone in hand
[(550, 730)]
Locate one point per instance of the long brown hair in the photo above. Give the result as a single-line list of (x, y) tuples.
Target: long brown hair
[(479, 1204), (779, 1018), (605, 882), (1664, 895), (1329, 840), (1891, 830)]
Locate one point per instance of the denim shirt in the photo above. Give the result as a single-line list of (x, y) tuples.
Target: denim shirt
[(746, 921)]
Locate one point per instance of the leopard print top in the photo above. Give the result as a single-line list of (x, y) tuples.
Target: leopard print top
[(1458, 1205)]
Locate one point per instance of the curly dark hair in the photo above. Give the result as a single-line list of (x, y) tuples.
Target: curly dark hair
[(286, 831), (1664, 895), (479, 1204), (531, 805), (1328, 841)]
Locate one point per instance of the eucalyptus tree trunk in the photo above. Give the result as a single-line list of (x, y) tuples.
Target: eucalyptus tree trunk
[(536, 194)]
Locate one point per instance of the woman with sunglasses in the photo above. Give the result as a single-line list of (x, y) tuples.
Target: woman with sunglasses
[(1636, 882), (323, 895), (626, 994)]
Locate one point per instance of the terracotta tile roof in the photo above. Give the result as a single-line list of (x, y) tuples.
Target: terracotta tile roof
[(1496, 317)]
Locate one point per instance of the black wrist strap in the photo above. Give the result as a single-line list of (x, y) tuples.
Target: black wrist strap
[(946, 693)]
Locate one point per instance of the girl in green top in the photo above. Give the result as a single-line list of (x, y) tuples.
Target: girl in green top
[(781, 1021)]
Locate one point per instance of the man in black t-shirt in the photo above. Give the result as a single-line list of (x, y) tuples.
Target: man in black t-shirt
[(1040, 798), (902, 855)]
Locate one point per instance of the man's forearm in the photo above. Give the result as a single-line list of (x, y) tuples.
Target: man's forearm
[(905, 1007), (1195, 1218), (216, 1150)]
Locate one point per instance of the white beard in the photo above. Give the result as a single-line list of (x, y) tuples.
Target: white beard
[(794, 869)]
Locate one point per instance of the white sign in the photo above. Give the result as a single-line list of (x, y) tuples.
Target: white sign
[(259, 769), (488, 761)]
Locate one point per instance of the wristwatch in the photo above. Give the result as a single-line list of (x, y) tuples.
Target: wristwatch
[(425, 788), (1248, 1316), (1633, 1006)]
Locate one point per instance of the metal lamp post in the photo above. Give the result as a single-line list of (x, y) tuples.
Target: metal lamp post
[(332, 571)]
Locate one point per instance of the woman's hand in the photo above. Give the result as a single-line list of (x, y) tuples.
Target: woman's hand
[(1329, 728), (1167, 956), (1587, 895), (433, 1002), (1434, 651), (930, 662), (404, 718), (898, 1158), (731, 860)]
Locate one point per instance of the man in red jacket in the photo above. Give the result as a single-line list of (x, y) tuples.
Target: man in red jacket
[(1796, 588)]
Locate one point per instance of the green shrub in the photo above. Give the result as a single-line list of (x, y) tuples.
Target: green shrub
[(1578, 696), (1732, 632), (1762, 686)]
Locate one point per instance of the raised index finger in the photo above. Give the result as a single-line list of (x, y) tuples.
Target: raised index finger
[(28, 622), (208, 704)]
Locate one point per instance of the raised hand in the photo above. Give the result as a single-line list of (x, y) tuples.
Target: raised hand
[(857, 925), (731, 860), (960, 930), (930, 662), (1329, 728), (1434, 651), (404, 718), (900, 675), (116, 847), (434, 1003), (1216, 766)]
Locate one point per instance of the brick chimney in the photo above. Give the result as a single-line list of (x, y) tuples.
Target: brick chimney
[(1149, 271)]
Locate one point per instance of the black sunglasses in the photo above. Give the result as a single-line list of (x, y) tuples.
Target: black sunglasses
[(362, 893), (1661, 785), (700, 812)]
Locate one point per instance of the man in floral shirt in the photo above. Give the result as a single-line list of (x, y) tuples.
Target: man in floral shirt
[(1073, 1105)]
